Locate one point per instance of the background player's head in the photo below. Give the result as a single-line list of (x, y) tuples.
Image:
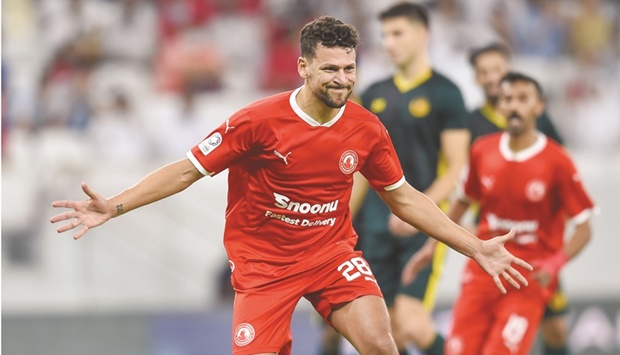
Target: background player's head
[(490, 64), (404, 32), (521, 102), (327, 62)]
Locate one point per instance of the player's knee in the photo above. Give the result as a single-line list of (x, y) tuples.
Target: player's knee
[(554, 332), (416, 328), (379, 344)]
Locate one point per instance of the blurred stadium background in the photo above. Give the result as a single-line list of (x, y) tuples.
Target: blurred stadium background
[(104, 91)]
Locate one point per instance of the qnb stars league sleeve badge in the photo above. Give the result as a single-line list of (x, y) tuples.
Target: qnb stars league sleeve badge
[(348, 161), (209, 144)]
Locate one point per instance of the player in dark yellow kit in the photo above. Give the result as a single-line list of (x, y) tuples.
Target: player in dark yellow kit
[(490, 64), (425, 115)]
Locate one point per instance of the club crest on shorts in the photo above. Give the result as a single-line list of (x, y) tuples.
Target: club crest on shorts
[(209, 144), (535, 190), (244, 334), (348, 161)]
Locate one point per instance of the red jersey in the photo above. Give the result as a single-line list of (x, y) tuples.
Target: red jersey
[(534, 191), (290, 182)]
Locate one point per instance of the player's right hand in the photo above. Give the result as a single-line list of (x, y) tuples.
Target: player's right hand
[(89, 213), (418, 261)]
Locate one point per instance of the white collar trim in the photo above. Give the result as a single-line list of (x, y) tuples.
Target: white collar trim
[(525, 154), (309, 120)]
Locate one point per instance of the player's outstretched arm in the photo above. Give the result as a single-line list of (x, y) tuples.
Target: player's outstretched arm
[(96, 210), (418, 210)]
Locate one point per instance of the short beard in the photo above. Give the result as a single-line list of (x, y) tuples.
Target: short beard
[(324, 97)]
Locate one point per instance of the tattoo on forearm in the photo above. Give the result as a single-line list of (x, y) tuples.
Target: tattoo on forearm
[(119, 208)]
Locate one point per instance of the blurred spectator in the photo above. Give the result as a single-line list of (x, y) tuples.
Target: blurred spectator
[(64, 21), (176, 16), (533, 27), (187, 52), (63, 90), (133, 35), (189, 58), (6, 119), (178, 123), (280, 69), (117, 134), (591, 33), (592, 101)]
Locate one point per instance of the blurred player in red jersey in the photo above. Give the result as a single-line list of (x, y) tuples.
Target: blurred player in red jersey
[(526, 182), (490, 64), (291, 159)]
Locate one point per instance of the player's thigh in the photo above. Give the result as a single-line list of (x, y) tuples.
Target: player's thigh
[(472, 316), (342, 280), (349, 299), (517, 318), (366, 324), (261, 320), (381, 252)]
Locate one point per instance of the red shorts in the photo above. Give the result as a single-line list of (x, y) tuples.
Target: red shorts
[(262, 315), (485, 322)]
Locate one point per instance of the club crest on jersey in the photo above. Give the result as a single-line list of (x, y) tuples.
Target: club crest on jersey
[(348, 161), (244, 334), (535, 190), (209, 144), (378, 105), (419, 107)]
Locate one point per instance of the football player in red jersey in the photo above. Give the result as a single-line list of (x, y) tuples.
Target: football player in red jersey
[(526, 182), (291, 159)]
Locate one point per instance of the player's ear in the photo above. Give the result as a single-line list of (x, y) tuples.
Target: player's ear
[(302, 67), (540, 107)]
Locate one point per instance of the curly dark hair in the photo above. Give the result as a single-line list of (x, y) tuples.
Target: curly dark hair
[(328, 31)]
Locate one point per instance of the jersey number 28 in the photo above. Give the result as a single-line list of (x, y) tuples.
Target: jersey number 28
[(356, 264)]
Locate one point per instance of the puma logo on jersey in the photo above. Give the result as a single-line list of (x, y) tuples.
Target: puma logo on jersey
[(228, 126), (283, 157)]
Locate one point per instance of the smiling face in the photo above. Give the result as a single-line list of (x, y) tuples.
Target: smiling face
[(490, 67), (403, 39), (521, 104), (329, 74)]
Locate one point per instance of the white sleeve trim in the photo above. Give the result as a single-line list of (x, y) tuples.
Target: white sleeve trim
[(197, 164), (585, 215), (395, 185)]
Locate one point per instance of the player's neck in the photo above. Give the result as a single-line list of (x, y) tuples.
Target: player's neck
[(415, 68), (523, 141), (314, 107)]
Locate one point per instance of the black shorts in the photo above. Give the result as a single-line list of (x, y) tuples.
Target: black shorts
[(387, 256), (558, 305)]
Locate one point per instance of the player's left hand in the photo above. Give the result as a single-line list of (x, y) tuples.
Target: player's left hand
[(400, 228), (497, 261)]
